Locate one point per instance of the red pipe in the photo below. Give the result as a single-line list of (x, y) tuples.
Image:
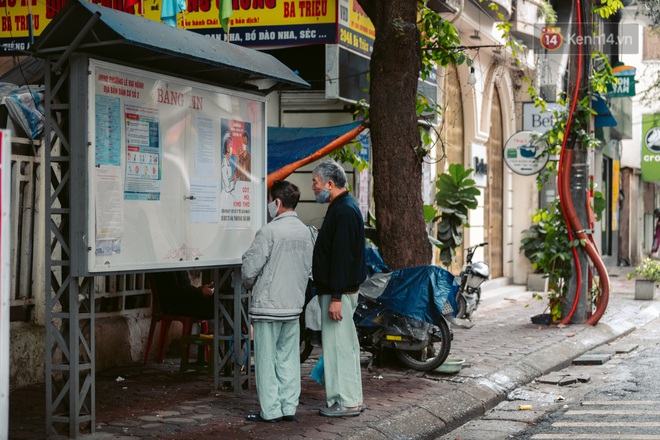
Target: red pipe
[(565, 174), (591, 251), (566, 162)]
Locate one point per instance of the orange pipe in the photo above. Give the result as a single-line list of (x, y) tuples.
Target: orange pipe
[(336, 144), (565, 199), (589, 248)]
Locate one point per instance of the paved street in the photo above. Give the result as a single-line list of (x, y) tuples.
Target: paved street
[(610, 392), (503, 351)]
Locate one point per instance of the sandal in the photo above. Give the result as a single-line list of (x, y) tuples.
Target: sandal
[(256, 417)]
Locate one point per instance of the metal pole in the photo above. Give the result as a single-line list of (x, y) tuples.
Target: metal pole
[(5, 271)]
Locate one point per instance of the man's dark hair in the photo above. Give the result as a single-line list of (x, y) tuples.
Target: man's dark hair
[(287, 192), (331, 170)]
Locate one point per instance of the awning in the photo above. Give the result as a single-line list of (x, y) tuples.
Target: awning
[(106, 33), (292, 148), (603, 116)]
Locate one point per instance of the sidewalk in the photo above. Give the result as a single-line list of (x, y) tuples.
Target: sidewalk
[(502, 351)]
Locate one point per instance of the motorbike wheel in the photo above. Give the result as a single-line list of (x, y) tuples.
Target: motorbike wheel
[(433, 355), (461, 307)]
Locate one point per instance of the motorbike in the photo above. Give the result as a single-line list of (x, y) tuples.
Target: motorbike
[(403, 310), (472, 276)]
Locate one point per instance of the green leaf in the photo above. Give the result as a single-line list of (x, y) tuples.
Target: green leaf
[(456, 195), (429, 213)]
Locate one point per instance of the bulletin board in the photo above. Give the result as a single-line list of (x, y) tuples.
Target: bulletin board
[(177, 175)]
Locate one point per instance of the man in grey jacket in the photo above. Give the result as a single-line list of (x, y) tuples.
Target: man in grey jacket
[(277, 267)]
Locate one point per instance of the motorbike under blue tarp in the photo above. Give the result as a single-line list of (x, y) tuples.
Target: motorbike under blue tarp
[(375, 263), (417, 292)]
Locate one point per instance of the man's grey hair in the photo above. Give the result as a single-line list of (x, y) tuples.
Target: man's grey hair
[(331, 170)]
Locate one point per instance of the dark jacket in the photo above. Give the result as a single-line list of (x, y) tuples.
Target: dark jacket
[(339, 263), (178, 296)]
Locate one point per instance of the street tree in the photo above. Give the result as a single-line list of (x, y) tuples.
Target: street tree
[(398, 151), (397, 166)]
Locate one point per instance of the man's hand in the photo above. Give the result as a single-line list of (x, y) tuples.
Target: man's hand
[(208, 289), (335, 310)]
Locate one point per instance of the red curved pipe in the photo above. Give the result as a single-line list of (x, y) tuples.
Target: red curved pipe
[(568, 209), (565, 173), (591, 251), (576, 259)]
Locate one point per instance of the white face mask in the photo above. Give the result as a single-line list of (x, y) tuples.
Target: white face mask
[(273, 207)]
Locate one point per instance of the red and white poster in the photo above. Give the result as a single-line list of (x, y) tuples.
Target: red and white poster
[(236, 173)]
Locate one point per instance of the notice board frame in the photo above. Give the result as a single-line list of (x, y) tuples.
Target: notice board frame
[(181, 124)]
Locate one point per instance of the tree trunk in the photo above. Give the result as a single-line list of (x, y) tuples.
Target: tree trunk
[(397, 168)]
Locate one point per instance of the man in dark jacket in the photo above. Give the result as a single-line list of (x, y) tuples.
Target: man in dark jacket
[(339, 267), (178, 296)]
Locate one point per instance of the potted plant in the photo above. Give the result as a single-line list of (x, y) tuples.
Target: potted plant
[(646, 285), (547, 247), (456, 195)]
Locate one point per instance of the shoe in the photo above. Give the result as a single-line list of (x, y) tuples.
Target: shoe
[(292, 418), (337, 410), (256, 417), (362, 407)]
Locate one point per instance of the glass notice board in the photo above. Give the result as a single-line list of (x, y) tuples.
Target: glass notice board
[(176, 171)]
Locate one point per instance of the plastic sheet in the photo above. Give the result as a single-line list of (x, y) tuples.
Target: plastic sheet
[(417, 292), (25, 106)]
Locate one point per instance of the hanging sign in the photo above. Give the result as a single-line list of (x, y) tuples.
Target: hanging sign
[(524, 155), (651, 147), (625, 82)]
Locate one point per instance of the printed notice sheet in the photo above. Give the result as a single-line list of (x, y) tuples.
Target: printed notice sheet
[(204, 200), (109, 210), (143, 153)]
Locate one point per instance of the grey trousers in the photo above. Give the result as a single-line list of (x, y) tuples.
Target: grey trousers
[(341, 354), (277, 367)]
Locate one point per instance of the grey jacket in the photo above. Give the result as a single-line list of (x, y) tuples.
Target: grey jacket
[(277, 267)]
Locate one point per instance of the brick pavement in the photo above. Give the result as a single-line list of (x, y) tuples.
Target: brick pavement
[(502, 351)]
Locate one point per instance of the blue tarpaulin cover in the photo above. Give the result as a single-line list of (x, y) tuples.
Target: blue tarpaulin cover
[(420, 292), (288, 145)]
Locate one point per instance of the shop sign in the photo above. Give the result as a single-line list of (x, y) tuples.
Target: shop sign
[(651, 147), (524, 154), (480, 165), (625, 84), (356, 31), (252, 24), (535, 119)]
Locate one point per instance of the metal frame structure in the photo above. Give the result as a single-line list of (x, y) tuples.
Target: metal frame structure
[(79, 31), (70, 347), (70, 344), (233, 358)]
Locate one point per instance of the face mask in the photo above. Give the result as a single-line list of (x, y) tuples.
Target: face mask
[(273, 207), (323, 196)]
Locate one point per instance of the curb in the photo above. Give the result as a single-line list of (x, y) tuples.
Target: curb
[(474, 398)]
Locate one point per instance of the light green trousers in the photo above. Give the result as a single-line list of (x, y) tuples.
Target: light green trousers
[(341, 354), (277, 366)]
